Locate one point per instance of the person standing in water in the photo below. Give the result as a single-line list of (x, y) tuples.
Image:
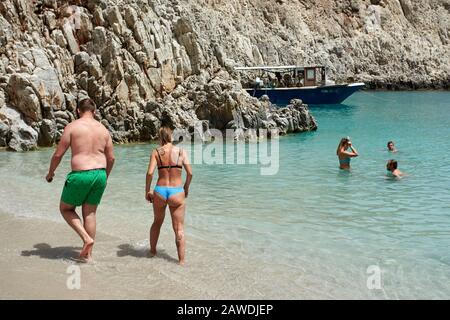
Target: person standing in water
[(92, 162), (169, 190), (391, 147), (392, 169), (344, 155)]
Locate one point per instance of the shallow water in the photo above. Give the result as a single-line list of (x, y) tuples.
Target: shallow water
[(311, 230)]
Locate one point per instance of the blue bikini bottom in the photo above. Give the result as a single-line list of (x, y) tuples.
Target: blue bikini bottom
[(167, 192)]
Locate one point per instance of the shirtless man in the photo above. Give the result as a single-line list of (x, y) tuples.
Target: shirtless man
[(92, 162), (391, 147), (392, 169)]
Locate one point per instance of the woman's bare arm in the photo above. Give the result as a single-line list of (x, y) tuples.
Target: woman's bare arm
[(354, 151), (149, 177), (351, 154), (187, 166)]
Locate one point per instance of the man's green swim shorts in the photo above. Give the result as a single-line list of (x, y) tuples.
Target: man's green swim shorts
[(84, 187)]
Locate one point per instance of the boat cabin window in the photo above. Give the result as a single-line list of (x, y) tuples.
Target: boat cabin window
[(284, 78), (311, 74)]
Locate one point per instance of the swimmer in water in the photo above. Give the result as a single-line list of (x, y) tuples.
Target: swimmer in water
[(392, 169), (391, 147)]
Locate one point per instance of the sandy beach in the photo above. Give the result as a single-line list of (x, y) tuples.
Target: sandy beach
[(258, 95), (37, 253)]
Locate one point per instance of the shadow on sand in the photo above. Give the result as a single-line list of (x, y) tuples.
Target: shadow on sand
[(127, 249), (45, 251)]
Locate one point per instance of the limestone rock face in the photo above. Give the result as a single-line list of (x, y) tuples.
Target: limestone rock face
[(48, 129), (23, 97), (4, 134), (219, 100), (23, 137), (149, 63), (15, 132)]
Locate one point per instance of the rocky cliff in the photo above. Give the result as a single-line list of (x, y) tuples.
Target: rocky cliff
[(150, 62)]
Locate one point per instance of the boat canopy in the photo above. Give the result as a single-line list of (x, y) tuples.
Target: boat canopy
[(285, 76), (276, 68)]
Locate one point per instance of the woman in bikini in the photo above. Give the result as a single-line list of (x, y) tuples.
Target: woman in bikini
[(169, 190), (344, 155)]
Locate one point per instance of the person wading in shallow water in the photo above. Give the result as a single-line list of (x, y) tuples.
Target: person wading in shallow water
[(169, 190), (344, 156), (92, 162)]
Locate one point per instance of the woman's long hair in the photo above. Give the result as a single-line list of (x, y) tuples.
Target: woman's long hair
[(165, 135), (343, 141)]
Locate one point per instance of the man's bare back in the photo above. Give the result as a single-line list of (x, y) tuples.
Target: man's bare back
[(92, 162), (89, 142)]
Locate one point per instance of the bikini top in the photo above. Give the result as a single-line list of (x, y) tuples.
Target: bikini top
[(169, 166)]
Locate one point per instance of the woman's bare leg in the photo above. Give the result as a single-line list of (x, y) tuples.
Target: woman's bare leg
[(159, 212), (177, 209)]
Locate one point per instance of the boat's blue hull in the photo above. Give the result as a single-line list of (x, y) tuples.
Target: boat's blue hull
[(333, 94)]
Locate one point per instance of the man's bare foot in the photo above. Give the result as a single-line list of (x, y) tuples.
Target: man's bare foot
[(152, 253), (90, 252), (87, 247), (181, 262), (82, 260)]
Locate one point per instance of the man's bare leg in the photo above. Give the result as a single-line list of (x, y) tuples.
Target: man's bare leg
[(89, 222), (159, 212), (177, 208), (72, 218)]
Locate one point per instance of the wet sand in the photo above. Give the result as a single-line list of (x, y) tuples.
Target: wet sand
[(36, 254)]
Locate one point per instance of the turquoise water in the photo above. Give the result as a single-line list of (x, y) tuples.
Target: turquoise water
[(313, 228)]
